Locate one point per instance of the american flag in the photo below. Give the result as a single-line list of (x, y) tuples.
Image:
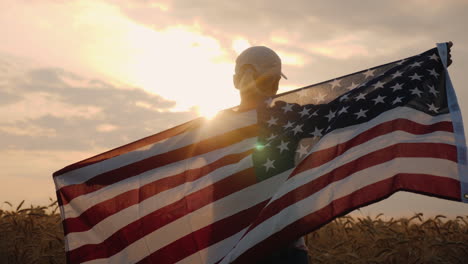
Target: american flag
[(235, 188)]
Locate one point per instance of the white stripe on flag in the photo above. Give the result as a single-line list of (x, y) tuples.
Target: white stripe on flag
[(359, 151), (200, 218), (336, 190), (113, 223), (81, 203), (343, 134), (207, 130)]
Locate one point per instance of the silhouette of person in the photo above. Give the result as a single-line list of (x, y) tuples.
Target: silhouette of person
[(257, 76)]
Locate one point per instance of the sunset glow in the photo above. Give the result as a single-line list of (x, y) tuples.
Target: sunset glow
[(80, 77)]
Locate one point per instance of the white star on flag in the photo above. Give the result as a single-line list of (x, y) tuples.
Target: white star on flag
[(352, 86), (272, 121), (397, 100), (397, 74), (379, 84), (317, 132), (368, 73), (378, 99), (269, 164), (271, 137), (303, 93), (401, 61), (305, 111), (415, 76), (361, 113), (433, 73), (297, 129), (330, 115), (302, 150), (416, 64), (344, 97), (269, 102), (416, 91), (320, 97), (432, 90), (434, 57), (283, 146), (287, 107), (397, 87), (433, 108), (335, 83), (361, 96), (343, 110), (288, 125)]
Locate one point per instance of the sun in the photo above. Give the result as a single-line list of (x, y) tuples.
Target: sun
[(208, 113)]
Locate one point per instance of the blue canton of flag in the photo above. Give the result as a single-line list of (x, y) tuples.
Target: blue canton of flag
[(314, 111)]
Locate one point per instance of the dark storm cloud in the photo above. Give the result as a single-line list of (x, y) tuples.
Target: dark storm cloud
[(124, 115)]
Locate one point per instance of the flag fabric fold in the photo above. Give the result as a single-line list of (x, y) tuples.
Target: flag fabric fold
[(237, 187)]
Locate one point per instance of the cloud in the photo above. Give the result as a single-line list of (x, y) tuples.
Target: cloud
[(330, 38), (53, 109)]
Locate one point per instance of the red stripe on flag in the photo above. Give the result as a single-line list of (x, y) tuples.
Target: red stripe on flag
[(325, 155), (70, 192), (443, 187), (133, 146), (102, 210), (204, 237), (402, 150), (161, 217)]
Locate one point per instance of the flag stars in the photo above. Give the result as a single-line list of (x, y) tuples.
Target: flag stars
[(287, 107), (271, 137), (433, 73), (416, 91), (320, 97), (361, 113), (361, 96), (368, 73), (397, 74), (415, 76), (269, 102), (269, 164), (317, 132), (288, 125), (297, 129), (303, 93), (343, 110), (397, 87), (272, 121), (305, 111), (344, 97), (416, 64), (434, 57), (331, 115), (283, 146), (302, 150), (402, 61), (378, 85), (335, 83), (432, 90), (378, 99), (352, 86), (433, 108), (397, 100)]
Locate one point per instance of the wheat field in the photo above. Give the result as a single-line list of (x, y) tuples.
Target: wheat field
[(35, 235)]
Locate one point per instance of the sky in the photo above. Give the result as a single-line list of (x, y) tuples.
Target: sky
[(81, 77)]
